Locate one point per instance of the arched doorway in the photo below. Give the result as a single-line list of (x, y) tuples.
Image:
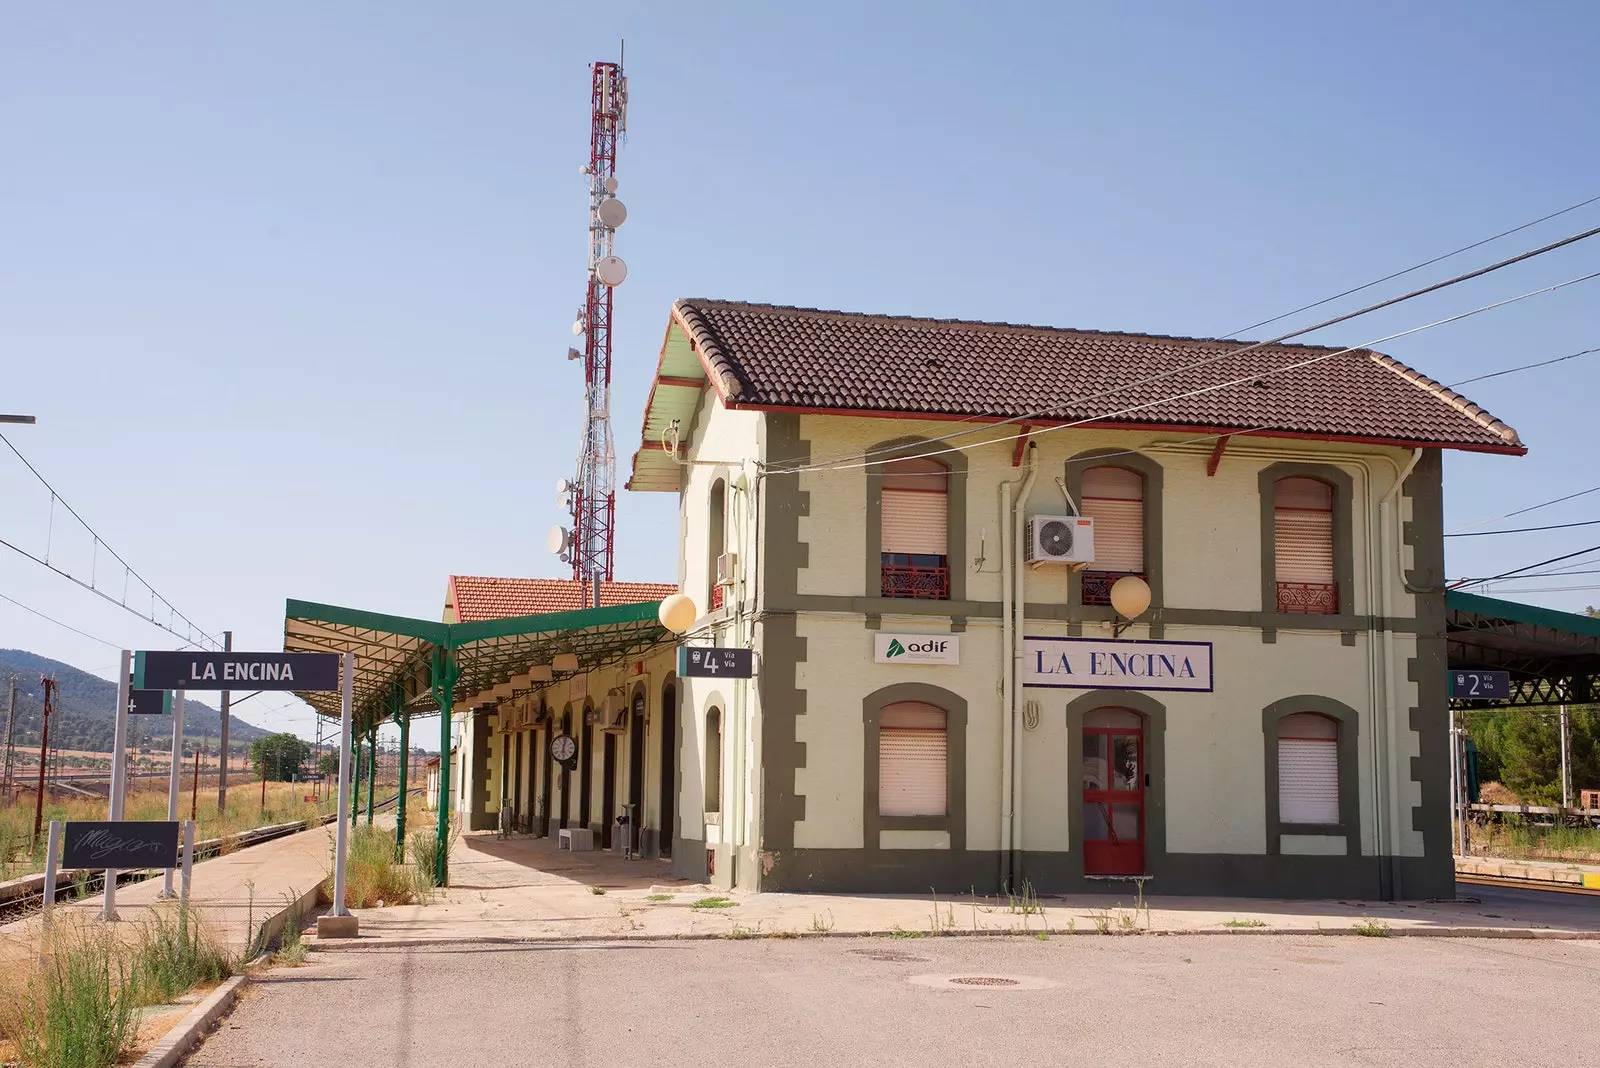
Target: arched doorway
[(636, 730), (668, 730), (1113, 792), (608, 789)]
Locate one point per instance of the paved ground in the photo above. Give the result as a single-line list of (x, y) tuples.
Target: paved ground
[(1178, 1000), (522, 889)]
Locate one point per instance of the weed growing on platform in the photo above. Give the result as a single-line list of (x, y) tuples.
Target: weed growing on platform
[(1250, 922), (1371, 928), (900, 932), (713, 903), (76, 1009), (425, 853), (374, 877), (597, 890), (174, 953), (658, 897), (818, 926), (744, 932)]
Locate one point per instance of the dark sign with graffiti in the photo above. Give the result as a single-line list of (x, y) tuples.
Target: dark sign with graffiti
[(125, 844)]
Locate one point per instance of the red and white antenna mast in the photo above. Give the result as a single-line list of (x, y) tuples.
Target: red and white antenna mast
[(590, 545)]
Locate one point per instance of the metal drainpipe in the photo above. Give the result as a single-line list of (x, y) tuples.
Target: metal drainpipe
[(1018, 605), (739, 685), (1002, 851), (1390, 499)]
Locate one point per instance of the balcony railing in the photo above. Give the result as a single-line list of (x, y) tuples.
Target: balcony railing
[(1097, 584), (716, 596), (916, 581), (1308, 598)]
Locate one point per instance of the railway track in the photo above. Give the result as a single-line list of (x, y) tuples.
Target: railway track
[(1527, 884), (22, 897)]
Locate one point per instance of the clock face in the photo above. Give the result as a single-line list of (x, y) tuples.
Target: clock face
[(563, 748)]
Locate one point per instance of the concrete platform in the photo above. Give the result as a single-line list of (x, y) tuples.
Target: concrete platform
[(523, 890), (237, 893), (1555, 872)]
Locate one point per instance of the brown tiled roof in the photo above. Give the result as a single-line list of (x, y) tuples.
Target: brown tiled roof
[(768, 356), (476, 598)]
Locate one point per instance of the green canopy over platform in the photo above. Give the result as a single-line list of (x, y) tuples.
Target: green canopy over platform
[(1553, 657)]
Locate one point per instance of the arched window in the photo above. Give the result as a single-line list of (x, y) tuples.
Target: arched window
[(713, 760), (915, 546), (913, 760), (716, 539), (1308, 769), (1114, 498), (1302, 530)]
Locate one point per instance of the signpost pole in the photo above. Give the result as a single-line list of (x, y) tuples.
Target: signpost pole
[(222, 774), (342, 835), (52, 859), (108, 910), (188, 862), (175, 778)]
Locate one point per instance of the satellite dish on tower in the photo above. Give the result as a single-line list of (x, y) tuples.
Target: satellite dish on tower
[(613, 213), (611, 186), (563, 486), (611, 270), (558, 540)]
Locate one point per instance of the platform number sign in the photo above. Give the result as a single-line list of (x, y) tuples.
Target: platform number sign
[(715, 662), (1481, 685)]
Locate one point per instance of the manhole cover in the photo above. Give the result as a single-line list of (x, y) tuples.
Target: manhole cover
[(982, 980), (892, 958)]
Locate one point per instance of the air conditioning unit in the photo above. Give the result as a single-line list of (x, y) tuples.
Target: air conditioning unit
[(614, 713), (727, 564), (1060, 539)]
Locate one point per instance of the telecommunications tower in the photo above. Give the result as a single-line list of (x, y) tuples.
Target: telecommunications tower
[(589, 544)]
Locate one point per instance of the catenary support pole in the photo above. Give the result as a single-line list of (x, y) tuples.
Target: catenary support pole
[(174, 777), (341, 843), (1455, 786), (1566, 760), (222, 774), (119, 740), (405, 759), (355, 781)]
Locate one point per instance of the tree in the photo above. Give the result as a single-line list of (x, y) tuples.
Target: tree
[(1522, 749), (328, 764), (283, 756)]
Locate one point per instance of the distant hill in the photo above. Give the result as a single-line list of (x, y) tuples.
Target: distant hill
[(86, 704)]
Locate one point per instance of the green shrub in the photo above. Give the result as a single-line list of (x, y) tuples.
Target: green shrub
[(372, 874)]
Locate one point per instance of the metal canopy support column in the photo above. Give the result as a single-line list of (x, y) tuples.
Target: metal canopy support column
[(372, 766), (445, 674), (355, 779), (404, 722)]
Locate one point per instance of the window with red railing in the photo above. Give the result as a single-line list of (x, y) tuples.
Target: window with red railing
[(1302, 520), (916, 501), (1114, 498)]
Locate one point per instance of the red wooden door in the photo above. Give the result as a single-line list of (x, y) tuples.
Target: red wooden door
[(1113, 793)]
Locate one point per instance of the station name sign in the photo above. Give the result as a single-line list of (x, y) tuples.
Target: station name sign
[(164, 670), (1099, 664)]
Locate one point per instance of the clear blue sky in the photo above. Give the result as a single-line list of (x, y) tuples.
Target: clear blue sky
[(289, 287)]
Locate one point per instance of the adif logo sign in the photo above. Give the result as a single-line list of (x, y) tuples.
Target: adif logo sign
[(916, 648)]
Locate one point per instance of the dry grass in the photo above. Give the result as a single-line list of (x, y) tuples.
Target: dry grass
[(1516, 839)]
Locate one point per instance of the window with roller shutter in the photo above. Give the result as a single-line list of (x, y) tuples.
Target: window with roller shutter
[(1302, 514), (1308, 770), (913, 760), (914, 534), (1114, 498)]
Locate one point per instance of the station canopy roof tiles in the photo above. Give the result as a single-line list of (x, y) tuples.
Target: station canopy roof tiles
[(770, 357), (473, 598), (397, 655)]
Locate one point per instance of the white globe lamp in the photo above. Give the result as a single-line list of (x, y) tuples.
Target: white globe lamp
[(677, 613)]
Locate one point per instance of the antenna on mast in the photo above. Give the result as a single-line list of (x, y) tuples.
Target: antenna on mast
[(591, 496)]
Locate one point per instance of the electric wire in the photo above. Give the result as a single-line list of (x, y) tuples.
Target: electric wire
[(1524, 367), (800, 466), (57, 622), (99, 541), (1523, 530), (1418, 267), (1462, 583), (1252, 377), (1522, 511)]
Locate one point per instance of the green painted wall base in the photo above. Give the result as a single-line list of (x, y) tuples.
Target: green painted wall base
[(917, 871)]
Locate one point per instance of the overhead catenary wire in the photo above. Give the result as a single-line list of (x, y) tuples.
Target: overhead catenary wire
[(1522, 511), (1416, 267), (1035, 432), (99, 542), (1522, 530), (1044, 413), (1463, 583), (57, 622), (1523, 367)]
